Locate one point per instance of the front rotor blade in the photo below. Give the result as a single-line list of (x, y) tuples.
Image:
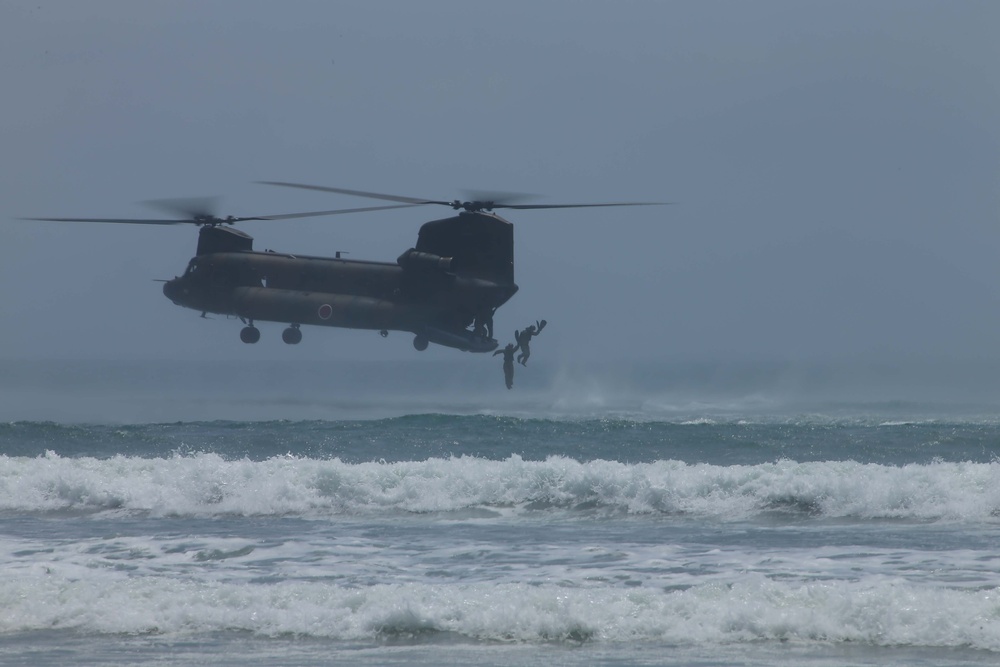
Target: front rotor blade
[(312, 214), (129, 221), (357, 193)]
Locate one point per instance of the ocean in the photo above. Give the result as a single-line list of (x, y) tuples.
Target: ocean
[(421, 514)]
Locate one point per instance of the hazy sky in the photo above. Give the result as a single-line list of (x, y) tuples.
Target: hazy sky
[(836, 167)]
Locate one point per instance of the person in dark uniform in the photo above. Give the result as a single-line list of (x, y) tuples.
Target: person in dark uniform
[(483, 323), (508, 363), (523, 339)]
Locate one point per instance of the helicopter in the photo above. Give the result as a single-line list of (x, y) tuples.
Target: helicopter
[(445, 290)]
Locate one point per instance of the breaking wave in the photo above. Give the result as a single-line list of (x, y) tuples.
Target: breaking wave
[(207, 484), (751, 609)]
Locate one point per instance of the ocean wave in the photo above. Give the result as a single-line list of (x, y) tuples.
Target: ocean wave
[(750, 609), (406, 438), (207, 484), (55, 430)]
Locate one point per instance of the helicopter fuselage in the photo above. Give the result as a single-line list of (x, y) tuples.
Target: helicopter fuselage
[(422, 292)]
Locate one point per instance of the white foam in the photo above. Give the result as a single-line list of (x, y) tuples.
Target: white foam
[(749, 609), (207, 484)]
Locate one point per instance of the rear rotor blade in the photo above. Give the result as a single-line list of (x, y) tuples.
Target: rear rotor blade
[(480, 201), (357, 193), (530, 206), (189, 207), (289, 216)]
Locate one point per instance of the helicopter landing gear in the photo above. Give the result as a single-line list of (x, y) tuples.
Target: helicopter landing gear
[(420, 343), (292, 335), (250, 334), (384, 333)]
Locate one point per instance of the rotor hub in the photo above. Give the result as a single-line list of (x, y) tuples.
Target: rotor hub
[(472, 206)]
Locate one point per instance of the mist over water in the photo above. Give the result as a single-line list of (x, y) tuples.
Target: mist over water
[(152, 391)]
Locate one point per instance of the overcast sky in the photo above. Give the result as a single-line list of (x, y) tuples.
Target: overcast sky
[(836, 167)]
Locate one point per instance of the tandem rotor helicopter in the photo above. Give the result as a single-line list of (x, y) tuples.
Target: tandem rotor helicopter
[(445, 290)]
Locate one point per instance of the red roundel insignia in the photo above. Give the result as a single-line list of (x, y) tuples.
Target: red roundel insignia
[(325, 311)]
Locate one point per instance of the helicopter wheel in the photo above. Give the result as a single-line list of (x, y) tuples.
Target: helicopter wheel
[(250, 334), (292, 335), (420, 343)]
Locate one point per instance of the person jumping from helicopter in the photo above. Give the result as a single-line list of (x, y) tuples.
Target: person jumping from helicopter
[(482, 326), (508, 363), (523, 339)]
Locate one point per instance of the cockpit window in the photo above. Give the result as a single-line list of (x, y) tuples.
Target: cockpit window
[(192, 267)]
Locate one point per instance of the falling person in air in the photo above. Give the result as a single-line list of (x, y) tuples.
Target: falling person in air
[(508, 363), (523, 339)]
